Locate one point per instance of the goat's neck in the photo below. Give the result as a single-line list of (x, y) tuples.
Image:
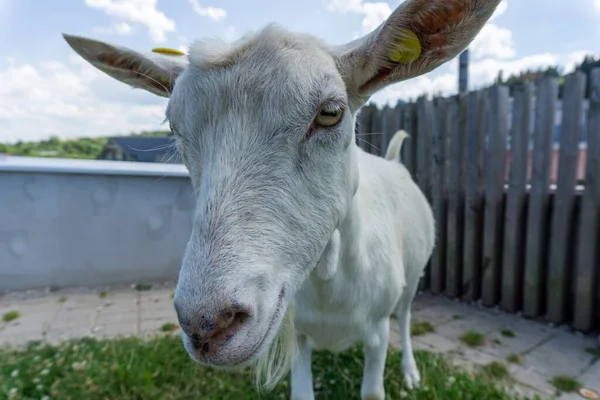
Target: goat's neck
[(347, 245)]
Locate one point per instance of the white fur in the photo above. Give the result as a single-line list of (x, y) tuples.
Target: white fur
[(298, 233)]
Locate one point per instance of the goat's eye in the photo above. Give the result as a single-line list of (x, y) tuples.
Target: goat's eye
[(329, 117)]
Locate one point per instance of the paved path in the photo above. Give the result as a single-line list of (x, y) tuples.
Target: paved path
[(546, 352)]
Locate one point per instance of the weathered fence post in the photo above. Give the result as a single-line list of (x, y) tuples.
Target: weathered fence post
[(409, 148), (474, 190), (439, 195), (537, 224), (515, 217), (493, 221), (455, 236), (564, 199), (363, 126), (587, 258), (388, 128), (423, 175), (376, 132)]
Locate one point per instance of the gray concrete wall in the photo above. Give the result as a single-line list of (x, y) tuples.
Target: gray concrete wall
[(73, 222)]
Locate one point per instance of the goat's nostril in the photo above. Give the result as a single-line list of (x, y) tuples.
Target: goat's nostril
[(207, 334), (230, 320)]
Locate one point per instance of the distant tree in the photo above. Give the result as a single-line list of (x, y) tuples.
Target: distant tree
[(88, 148)]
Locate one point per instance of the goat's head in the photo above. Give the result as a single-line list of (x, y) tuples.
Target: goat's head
[(265, 127)]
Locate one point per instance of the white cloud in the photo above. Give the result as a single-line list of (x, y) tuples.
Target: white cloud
[(71, 100), (122, 28), (231, 34), (119, 28), (143, 12), (214, 13), (345, 6), (500, 9), (493, 41), (373, 13), (481, 74)]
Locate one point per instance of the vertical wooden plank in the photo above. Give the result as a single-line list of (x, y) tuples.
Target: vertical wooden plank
[(564, 198), (587, 256), (409, 147), (494, 193), (424, 151), (363, 126), (454, 251), (515, 218), (474, 191), (537, 223), (423, 175), (387, 128), (439, 195), (376, 130)]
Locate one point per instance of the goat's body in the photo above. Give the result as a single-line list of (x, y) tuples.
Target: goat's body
[(385, 243)]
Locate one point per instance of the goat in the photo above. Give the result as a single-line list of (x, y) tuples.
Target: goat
[(301, 240)]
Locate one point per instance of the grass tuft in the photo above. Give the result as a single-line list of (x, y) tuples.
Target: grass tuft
[(419, 328), (11, 315), (507, 333), (496, 370), (168, 327), (564, 383), (514, 358), (103, 294), (473, 338), (61, 300), (159, 368), (141, 287), (595, 354)]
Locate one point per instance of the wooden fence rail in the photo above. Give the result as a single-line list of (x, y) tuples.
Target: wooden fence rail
[(512, 229)]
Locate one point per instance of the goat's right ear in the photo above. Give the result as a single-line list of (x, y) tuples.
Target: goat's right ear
[(155, 72)]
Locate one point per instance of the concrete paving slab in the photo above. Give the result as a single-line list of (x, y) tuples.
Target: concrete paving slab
[(564, 354)]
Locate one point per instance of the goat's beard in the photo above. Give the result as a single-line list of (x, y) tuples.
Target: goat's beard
[(277, 361)]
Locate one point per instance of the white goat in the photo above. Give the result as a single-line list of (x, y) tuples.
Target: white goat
[(291, 215)]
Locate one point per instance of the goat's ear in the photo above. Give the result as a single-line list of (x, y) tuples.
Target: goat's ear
[(417, 37), (155, 72)]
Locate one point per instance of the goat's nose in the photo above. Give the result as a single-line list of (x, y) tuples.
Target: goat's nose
[(207, 331)]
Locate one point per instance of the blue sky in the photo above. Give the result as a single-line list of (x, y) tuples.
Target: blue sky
[(48, 90)]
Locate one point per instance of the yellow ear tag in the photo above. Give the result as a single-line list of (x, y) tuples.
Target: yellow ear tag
[(167, 51), (409, 48)]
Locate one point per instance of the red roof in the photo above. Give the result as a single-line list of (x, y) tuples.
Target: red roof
[(581, 160)]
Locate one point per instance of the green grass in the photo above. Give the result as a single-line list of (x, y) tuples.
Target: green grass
[(507, 333), (473, 338), (141, 287), (103, 294), (514, 358), (456, 316), (131, 368), (496, 370), (564, 383), (594, 352), (169, 327), (61, 300), (419, 328), (11, 315)]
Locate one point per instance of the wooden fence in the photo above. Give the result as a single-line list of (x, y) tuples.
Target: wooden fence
[(507, 234)]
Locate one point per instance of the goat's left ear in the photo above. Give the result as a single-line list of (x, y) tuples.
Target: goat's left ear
[(417, 37), (154, 71)]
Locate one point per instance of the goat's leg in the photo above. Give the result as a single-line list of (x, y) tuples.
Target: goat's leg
[(301, 375), (375, 348), (412, 377)]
